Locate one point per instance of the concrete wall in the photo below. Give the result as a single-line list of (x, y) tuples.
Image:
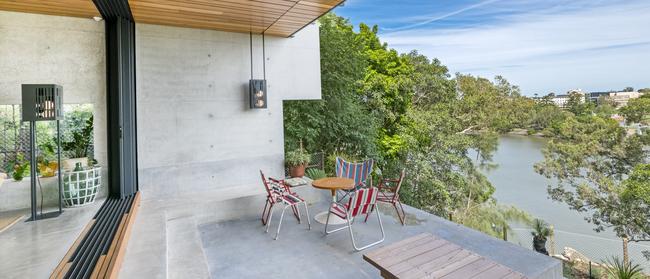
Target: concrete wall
[(197, 139), (53, 49)]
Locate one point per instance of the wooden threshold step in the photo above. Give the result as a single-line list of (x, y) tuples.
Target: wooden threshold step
[(99, 250)]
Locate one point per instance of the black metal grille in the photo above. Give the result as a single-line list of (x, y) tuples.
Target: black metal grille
[(98, 239)]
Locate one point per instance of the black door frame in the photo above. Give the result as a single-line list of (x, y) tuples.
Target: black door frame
[(120, 97)]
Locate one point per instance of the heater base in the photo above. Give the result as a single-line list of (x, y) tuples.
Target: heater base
[(46, 215)]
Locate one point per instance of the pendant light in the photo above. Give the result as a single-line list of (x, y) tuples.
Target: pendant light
[(257, 87)]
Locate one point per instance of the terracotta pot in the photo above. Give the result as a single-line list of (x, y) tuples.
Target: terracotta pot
[(297, 171)]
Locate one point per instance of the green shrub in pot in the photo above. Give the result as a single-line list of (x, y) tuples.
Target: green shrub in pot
[(77, 148), (541, 232), (297, 161), (20, 167)]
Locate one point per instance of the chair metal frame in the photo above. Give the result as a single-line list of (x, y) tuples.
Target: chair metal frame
[(384, 185), (350, 217), (277, 195)]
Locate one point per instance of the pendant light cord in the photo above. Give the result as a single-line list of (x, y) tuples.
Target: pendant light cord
[(263, 54), (251, 46)]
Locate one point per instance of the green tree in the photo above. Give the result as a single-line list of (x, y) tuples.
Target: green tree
[(340, 122), (545, 117), (591, 158), (387, 88), (407, 111), (637, 109), (578, 105)]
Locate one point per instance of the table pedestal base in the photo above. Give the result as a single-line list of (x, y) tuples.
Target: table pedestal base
[(334, 220)]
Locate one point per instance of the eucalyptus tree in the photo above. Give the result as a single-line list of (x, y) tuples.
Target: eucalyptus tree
[(601, 170)]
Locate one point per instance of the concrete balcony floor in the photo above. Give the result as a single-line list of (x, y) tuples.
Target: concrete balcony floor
[(170, 242), (34, 249), (224, 238)]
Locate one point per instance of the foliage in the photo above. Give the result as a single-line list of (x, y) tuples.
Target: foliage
[(490, 217), (498, 106), (387, 89), (315, 173), (546, 116), (592, 161), (20, 167), (81, 140), (340, 122), (541, 229), (296, 158), (619, 269), (578, 105), (637, 109), (408, 111), (15, 138)]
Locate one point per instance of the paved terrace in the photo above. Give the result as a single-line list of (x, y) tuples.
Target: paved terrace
[(228, 241)]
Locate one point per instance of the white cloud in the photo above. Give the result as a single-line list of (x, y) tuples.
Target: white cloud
[(595, 48), (429, 20)]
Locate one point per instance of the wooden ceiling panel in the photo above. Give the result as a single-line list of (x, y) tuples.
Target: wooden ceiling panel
[(272, 17), (75, 8)]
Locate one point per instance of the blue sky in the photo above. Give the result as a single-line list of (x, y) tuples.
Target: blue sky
[(542, 46)]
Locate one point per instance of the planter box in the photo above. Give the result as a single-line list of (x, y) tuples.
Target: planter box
[(81, 187)]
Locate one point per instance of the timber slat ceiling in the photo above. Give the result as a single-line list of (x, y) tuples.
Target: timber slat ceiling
[(76, 8), (271, 17)]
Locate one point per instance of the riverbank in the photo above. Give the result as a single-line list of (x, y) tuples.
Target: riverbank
[(524, 132), (518, 184)]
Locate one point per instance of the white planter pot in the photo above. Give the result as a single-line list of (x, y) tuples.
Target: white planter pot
[(69, 164), (81, 187)]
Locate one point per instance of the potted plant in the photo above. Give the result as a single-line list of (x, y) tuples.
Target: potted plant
[(540, 233), (20, 167), (297, 161), (77, 148), (47, 165)]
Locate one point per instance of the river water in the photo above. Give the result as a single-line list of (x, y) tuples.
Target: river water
[(518, 184)]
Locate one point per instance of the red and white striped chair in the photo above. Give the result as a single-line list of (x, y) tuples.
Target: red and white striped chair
[(362, 201), (389, 193), (278, 192)]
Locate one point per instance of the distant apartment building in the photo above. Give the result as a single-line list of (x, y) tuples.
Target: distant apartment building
[(562, 99), (594, 96), (620, 99)]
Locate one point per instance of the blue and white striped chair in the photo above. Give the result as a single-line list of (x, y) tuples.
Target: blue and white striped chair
[(359, 172)]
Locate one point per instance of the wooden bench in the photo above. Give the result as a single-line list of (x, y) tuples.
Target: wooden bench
[(427, 256)]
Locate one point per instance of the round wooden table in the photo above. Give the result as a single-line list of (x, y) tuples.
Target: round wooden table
[(333, 184)]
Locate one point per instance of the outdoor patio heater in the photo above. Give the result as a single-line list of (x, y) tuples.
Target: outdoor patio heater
[(42, 102)]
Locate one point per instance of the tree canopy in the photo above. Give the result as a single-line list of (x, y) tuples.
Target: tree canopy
[(407, 111)]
